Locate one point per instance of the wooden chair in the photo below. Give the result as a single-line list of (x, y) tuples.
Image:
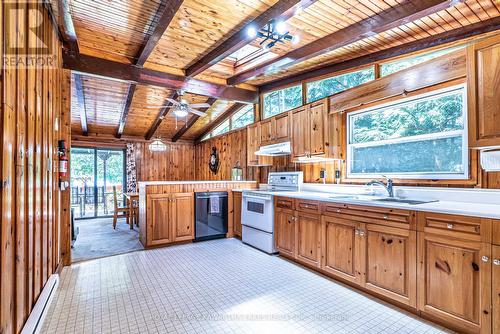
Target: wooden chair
[(118, 209)]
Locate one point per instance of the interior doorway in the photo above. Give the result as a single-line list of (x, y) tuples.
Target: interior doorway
[(96, 174)]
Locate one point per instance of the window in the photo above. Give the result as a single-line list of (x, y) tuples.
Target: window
[(221, 128), (243, 117), (420, 137), (322, 88), (398, 65), (282, 100), (207, 136)]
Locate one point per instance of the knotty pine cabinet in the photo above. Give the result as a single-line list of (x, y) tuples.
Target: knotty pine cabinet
[(443, 265), (275, 129), (170, 218), (483, 75), (253, 145), (310, 131), (237, 196)]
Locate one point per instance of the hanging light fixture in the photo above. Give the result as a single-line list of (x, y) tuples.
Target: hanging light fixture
[(157, 146), (275, 31)]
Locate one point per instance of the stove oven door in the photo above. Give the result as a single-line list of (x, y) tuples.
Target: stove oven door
[(258, 212)]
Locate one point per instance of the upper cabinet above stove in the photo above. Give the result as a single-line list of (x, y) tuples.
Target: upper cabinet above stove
[(484, 90)]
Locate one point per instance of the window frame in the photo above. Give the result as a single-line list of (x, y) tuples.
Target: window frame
[(302, 97), (440, 135)]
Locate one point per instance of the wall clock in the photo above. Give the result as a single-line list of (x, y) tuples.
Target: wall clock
[(213, 163)]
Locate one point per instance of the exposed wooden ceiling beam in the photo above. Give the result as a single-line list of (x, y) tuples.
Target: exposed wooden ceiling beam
[(225, 115), (165, 17), (81, 103), (67, 27), (404, 13), (169, 10), (281, 10), (119, 71), (419, 45), (191, 121), (161, 115), (126, 109)]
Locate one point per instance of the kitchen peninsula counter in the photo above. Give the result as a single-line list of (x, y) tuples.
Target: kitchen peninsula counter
[(166, 208)]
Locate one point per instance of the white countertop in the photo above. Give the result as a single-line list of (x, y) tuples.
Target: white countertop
[(442, 206), (157, 183)]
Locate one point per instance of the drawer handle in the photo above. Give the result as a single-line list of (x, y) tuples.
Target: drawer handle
[(386, 216), (485, 258), (361, 233), (496, 262), (450, 226), (338, 210)]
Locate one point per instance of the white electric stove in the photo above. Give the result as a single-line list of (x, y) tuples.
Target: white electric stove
[(257, 210)]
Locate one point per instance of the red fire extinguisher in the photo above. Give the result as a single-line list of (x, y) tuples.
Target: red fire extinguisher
[(63, 159)]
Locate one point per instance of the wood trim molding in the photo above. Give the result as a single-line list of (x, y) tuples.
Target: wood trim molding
[(283, 9), (191, 121), (383, 21), (126, 72), (419, 45)]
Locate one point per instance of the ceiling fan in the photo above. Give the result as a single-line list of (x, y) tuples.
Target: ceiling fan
[(181, 107)]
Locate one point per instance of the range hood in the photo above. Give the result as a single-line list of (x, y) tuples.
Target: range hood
[(275, 150)]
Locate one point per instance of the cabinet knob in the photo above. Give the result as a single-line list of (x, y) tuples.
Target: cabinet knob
[(361, 233), (386, 216), (338, 210), (356, 232), (496, 262), (450, 226), (485, 258)]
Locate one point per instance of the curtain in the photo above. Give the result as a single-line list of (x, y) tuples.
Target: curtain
[(131, 171)]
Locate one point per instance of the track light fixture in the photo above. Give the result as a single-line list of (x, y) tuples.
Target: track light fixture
[(275, 31)]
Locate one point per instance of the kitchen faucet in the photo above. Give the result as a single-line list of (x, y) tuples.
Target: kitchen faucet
[(387, 187)]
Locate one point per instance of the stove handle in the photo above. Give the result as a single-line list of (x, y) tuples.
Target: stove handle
[(258, 197)]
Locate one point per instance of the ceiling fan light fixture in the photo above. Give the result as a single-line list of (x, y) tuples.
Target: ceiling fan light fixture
[(157, 146), (180, 112)]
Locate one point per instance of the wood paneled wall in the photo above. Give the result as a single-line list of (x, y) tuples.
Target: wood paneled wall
[(30, 107), (232, 147), (176, 163)]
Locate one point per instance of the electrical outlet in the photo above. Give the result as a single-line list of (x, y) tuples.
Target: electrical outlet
[(322, 174)]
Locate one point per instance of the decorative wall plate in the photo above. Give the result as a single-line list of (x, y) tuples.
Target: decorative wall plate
[(213, 163)]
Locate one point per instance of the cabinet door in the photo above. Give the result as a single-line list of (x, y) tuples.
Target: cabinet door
[(454, 281), (484, 90), (318, 122), (253, 141), (390, 262), (300, 132), (237, 213), (266, 132), (159, 226), (341, 248), (309, 238), (496, 289), (282, 127), (284, 232), (183, 216)]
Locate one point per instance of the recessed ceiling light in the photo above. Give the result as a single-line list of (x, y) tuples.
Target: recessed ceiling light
[(183, 23)]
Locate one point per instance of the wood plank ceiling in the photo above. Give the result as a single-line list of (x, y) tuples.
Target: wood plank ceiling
[(202, 32)]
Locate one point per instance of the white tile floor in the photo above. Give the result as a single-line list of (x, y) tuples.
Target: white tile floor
[(219, 286)]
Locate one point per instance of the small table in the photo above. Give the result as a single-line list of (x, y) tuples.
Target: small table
[(131, 197)]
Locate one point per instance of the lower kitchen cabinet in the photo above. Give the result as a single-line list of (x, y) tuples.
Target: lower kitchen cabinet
[(182, 216), (170, 218), (496, 288), (237, 213), (308, 238), (341, 248), (284, 231), (390, 262), (454, 279)]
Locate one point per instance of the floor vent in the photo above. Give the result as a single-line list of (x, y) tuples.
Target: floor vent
[(35, 321)]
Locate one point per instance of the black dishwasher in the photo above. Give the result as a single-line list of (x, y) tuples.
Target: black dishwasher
[(210, 215)]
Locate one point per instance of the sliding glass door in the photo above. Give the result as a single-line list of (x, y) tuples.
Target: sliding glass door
[(94, 175)]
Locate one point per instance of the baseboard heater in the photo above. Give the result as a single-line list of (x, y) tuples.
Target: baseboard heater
[(35, 320)]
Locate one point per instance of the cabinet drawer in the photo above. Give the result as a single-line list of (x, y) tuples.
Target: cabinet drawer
[(464, 227), (285, 203), (369, 214), (307, 206)]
